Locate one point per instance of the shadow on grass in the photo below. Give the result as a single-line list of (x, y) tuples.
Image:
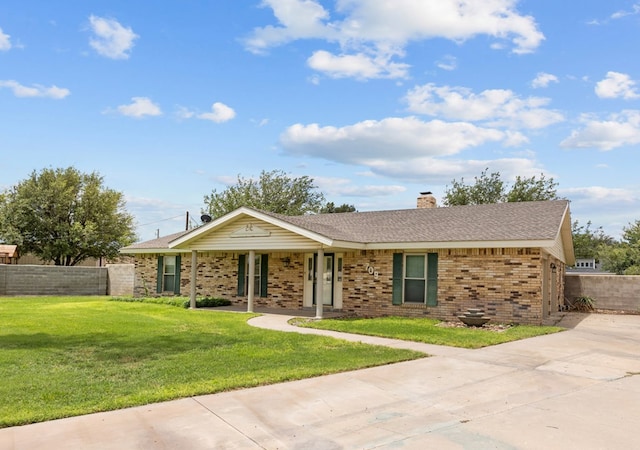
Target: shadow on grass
[(111, 346)]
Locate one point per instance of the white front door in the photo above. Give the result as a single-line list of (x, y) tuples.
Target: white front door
[(327, 281), (330, 276)]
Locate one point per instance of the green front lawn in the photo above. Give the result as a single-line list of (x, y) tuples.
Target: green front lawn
[(64, 356), (429, 331)]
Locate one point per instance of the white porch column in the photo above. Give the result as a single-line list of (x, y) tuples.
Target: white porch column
[(194, 276), (319, 284), (250, 283)]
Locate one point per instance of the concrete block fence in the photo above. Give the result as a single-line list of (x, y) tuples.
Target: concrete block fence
[(611, 292), (59, 280)]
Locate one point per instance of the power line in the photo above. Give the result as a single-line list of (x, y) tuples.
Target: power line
[(161, 220)]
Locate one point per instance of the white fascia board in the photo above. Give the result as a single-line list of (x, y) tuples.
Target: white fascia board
[(459, 244), (151, 251), (348, 245), (566, 234)]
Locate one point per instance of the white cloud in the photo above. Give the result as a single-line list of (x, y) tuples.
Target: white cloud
[(599, 194), (358, 66), (390, 138), (184, 113), (371, 33), (444, 170), (617, 85), (219, 113), (299, 19), (497, 107), (5, 41), (448, 62), (111, 39), (36, 90), (542, 80), (140, 107), (345, 187), (635, 9), (620, 129)]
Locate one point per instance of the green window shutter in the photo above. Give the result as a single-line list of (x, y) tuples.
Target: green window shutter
[(396, 297), (160, 274), (264, 274), (176, 282), (432, 279), (241, 264)]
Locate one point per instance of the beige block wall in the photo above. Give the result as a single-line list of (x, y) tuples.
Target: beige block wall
[(505, 283), (610, 292)]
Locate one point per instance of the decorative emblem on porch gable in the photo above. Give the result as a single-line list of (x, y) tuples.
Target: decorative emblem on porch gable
[(250, 230)]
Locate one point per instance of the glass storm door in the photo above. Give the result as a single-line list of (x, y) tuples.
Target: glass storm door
[(326, 278)]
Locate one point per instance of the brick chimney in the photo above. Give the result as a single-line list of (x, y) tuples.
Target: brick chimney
[(426, 200)]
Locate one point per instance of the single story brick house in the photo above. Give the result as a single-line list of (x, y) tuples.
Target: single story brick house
[(508, 259)]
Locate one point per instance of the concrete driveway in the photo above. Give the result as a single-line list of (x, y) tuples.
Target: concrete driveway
[(576, 389)]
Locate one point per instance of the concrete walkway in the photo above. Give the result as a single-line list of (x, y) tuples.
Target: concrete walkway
[(576, 389)]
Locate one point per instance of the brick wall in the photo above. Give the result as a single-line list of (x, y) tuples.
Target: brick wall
[(505, 283), (611, 292), (217, 276)]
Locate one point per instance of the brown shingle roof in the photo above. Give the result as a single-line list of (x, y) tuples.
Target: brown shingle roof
[(161, 242), (519, 221), (493, 222)]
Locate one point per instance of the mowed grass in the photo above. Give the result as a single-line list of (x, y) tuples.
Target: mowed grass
[(66, 356), (427, 331)]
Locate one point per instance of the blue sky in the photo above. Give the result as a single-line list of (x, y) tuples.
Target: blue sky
[(375, 100)]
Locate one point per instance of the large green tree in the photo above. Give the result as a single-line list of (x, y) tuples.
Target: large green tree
[(490, 188), (623, 257), (65, 216), (330, 208), (588, 242), (273, 191)]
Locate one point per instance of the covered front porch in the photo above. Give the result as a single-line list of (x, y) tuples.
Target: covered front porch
[(301, 281)]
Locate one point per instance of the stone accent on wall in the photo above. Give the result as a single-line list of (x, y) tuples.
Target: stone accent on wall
[(506, 283)]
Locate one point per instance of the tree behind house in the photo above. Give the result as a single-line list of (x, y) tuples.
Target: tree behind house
[(331, 208), (65, 216), (623, 258), (490, 188), (588, 243), (273, 191)]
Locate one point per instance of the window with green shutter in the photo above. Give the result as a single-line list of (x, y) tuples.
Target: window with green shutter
[(260, 279), (168, 278), (241, 271), (415, 278)]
